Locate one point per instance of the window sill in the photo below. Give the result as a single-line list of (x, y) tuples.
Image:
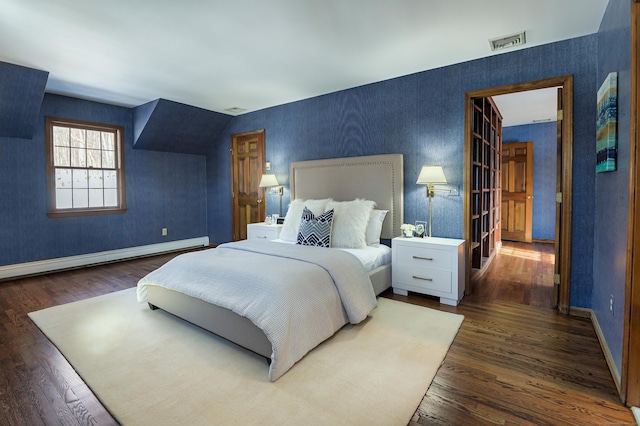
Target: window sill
[(79, 212)]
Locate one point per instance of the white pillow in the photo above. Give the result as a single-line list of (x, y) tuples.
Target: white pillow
[(374, 227), (291, 224), (350, 219)]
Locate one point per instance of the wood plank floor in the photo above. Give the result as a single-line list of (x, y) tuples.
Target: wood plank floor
[(521, 273), (509, 364)]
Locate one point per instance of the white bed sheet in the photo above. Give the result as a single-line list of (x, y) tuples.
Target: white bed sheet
[(371, 256)]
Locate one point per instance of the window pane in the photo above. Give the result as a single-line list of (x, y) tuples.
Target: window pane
[(60, 136), (80, 179), (63, 179), (108, 141), (61, 156), (95, 178), (77, 138), (110, 179), (110, 197), (109, 159), (78, 157), (63, 198), (85, 159), (93, 139), (94, 158), (80, 198), (95, 198)]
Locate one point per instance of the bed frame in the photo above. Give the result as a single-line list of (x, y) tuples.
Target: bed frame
[(377, 177)]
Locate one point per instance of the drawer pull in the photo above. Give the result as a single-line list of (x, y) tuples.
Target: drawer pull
[(421, 278), (423, 258), (260, 236)]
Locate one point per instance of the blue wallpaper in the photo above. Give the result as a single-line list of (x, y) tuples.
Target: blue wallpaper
[(163, 190), (164, 125), (543, 136), (611, 189), (21, 93), (421, 116)]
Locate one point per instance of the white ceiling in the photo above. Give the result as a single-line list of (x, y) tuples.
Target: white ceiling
[(255, 54), (534, 106)]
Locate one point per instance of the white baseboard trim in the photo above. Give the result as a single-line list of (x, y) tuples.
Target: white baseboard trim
[(585, 312), (51, 265)]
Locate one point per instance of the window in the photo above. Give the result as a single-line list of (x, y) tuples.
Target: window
[(85, 168)]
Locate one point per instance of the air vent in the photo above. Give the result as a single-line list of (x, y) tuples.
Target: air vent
[(235, 110), (508, 41)]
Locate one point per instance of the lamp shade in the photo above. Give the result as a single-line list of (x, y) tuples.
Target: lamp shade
[(431, 174), (268, 181)]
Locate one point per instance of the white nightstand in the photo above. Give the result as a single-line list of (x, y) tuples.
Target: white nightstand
[(433, 266), (262, 231)]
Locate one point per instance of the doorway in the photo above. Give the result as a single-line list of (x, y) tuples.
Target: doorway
[(564, 176), (517, 191), (247, 160)]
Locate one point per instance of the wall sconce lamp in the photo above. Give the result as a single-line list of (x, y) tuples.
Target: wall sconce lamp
[(269, 181), (430, 176)]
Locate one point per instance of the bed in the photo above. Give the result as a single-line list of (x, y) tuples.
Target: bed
[(377, 178)]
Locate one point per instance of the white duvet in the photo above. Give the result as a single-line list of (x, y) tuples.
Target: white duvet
[(298, 295)]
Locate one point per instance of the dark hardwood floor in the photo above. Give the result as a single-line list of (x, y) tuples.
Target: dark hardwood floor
[(517, 361), (510, 363)]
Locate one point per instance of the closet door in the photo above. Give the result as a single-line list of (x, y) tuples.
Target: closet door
[(247, 159)]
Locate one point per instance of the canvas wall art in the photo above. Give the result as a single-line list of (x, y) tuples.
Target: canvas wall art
[(606, 139)]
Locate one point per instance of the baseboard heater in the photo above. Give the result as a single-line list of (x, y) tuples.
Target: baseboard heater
[(61, 263)]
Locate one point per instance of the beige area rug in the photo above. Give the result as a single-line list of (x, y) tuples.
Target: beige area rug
[(148, 367)]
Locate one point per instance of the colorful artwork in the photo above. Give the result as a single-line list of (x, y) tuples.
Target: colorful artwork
[(606, 139)]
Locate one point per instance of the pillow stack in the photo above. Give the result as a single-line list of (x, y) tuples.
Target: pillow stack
[(293, 217), (329, 223)]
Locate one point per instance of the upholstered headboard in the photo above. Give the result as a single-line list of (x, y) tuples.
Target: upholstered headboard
[(376, 177)]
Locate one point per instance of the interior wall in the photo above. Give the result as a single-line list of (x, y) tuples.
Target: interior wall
[(611, 189), (162, 190), (543, 136), (421, 116)]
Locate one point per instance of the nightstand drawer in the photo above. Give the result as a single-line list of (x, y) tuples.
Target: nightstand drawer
[(423, 278), (262, 231), (423, 257)]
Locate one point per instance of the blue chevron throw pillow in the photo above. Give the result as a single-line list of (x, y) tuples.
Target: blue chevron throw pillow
[(315, 231)]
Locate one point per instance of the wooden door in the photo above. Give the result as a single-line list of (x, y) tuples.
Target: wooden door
[(517, 191), (247, 159), (558, 240)]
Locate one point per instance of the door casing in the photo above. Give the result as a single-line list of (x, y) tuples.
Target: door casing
[(565, 176)]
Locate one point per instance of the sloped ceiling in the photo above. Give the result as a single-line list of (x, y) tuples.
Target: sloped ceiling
[(21, 93), (164, 125)]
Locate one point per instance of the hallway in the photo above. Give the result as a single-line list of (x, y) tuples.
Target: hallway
[(520, 273)]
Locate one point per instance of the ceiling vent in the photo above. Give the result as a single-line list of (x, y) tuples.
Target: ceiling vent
[(508, 41), (235, 110)]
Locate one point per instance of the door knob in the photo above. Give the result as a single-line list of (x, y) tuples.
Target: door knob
[(529, 197), (259, 201)]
